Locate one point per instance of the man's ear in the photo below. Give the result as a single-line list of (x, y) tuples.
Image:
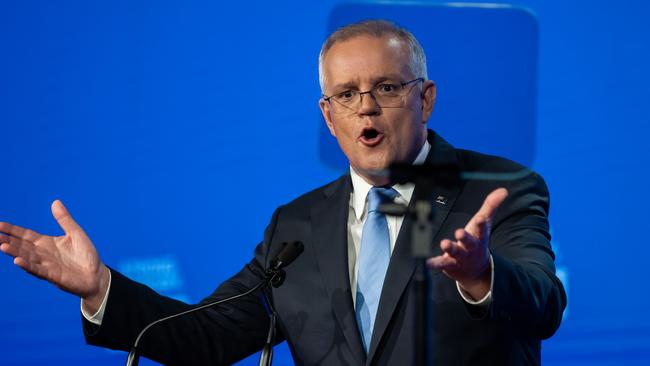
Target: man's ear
[(325, 109), (428, 99)]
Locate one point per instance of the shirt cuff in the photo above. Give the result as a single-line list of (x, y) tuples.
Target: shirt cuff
[(99, 315), (487, 299)]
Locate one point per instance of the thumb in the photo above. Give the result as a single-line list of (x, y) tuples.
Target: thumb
[(63, 217)]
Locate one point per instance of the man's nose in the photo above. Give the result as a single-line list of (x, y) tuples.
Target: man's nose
[(368, 104)]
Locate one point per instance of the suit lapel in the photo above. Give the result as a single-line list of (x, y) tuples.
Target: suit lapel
[(329, 228), (402, 264)]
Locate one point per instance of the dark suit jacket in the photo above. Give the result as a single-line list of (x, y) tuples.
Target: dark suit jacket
[(316, 314)]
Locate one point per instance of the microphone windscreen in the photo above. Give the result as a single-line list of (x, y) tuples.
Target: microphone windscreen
[(289, 252)]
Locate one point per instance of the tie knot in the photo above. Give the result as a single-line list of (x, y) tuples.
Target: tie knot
[(379, 195)]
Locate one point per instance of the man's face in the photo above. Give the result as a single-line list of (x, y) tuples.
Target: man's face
[(373, 137)]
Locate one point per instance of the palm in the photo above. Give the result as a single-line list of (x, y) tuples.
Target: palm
[(69, 261), (72, 262), (466, 259)]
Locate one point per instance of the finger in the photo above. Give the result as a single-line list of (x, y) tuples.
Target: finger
[(452, 248), (10, 243), (487, 210), (468, 241), (63, 217), (22, 263), (24, 249), (17, 231), (30, 267), (442, 262), (9, 249), (14, 246), (492, 202)]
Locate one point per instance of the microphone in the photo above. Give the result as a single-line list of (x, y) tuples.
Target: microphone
[(287, 254), (274, 275)]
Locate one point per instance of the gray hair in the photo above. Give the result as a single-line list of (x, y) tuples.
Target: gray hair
[(376, 28)]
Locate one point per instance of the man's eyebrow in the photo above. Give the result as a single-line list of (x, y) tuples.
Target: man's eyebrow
[(394, 77), (345, 86), (353, 85)]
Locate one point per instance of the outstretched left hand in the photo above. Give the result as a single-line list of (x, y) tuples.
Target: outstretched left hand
[(467, 259)]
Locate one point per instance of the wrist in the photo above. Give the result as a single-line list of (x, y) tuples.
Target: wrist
[(92, 302), (478, 286)]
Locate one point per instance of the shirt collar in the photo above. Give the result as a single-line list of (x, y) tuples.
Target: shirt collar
[(360, 187)]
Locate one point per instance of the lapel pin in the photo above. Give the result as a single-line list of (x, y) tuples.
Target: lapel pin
[(441, 200)]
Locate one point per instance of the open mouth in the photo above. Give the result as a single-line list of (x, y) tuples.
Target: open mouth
[(371, 136)]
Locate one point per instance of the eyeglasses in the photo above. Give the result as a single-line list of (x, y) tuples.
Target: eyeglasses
[(386, 95)]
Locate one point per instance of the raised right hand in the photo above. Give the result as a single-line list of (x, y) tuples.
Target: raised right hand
[(70, 261)]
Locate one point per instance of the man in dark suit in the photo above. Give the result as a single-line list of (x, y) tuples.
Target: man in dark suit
[(347, 299)]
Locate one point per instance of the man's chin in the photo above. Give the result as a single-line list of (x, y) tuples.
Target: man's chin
[(376, 175)]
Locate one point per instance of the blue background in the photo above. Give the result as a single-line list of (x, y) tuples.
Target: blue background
[(172, 130)]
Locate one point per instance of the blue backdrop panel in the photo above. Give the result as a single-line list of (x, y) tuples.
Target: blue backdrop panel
[(172, 130), (479, 56)]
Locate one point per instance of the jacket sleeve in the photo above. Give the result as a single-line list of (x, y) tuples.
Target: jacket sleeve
[(526, 291), (220, 335)]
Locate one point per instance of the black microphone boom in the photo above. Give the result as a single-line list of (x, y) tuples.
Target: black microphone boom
[(274, 275)]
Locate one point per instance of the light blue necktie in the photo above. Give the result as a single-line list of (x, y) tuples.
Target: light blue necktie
[(374, 256)]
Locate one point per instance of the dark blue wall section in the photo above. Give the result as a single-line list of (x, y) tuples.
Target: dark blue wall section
[(172, 130)]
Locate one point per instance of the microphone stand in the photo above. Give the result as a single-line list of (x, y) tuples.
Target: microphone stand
[(421, 243), (274, 276), (266, 356), (421, 212)]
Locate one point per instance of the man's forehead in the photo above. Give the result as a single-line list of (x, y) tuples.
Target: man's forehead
[(366, 58), (365, 45)]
